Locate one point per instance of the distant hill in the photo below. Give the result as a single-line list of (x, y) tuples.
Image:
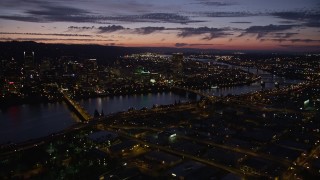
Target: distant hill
[(107, 54), (104, 54)]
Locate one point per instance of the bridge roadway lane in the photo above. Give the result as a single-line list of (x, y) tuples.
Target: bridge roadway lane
[(77, 107), (212, 98)]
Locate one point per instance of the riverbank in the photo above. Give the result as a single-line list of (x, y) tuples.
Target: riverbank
[(14, 100), (16, 146)]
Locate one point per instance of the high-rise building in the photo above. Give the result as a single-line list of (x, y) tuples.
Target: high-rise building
[(3, 66), (91, 65), (45, 65), (29, 65), (91, 71), (177, 60), (28, 60), (11, 80), (30, 74)]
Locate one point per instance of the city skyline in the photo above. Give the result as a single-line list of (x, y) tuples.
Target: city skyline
[(229, 25)]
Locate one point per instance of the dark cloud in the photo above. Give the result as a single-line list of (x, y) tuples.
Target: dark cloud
[(156, 18), (21, 18), (54, 13), (241, 22), (109, 29), (149, 30), (190, 45), (287, 22), (262, 31), (47, 34), (307, 18), (209, 33), (215, 3), (230, 14), (313, 23), (289, 15), (81, 28), (114, 28), (304, 40), (51, 39), (167, 17), (284, 35), (21, 3), (280, 40)]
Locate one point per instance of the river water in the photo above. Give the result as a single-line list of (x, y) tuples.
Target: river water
[(24, 122), (266, 77)]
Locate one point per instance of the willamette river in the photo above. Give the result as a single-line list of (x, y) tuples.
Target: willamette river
[(24, 122), (268, 78)]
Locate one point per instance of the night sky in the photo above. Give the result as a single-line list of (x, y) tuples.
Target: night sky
[(219, 24)]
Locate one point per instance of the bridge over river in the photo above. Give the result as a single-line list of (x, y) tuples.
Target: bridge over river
[(76, 107), (194, 91)]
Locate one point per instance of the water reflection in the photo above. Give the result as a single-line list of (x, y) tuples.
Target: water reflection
[(123, 103), (266, 77), (23, 122)]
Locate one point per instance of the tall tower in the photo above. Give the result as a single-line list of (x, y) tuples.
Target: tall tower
[(91, 68), (28, 61), (29, 65), (177, 60)]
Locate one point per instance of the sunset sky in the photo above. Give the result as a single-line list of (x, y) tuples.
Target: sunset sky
[(292, 25)]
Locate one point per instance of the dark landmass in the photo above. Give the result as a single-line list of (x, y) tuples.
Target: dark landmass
[(103, 54)]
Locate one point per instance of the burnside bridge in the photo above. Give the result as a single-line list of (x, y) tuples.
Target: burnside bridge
[(197, 92), (76, 107)]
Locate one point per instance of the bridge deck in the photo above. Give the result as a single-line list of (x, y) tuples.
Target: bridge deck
[(202, 94), (77, 107)]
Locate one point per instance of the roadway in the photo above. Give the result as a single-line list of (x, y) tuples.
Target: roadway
[(202, 94), (301, 163), (77, 107), (183, 154), (284, 162)]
